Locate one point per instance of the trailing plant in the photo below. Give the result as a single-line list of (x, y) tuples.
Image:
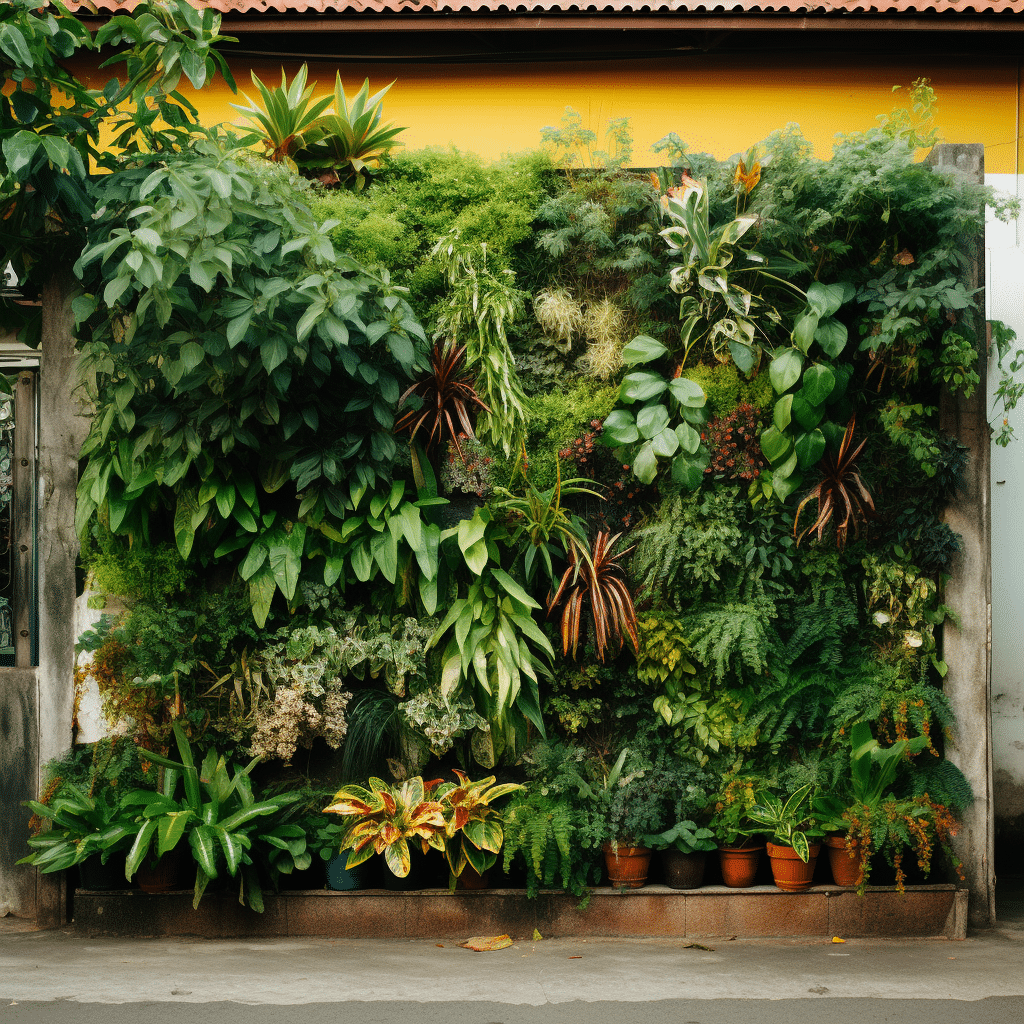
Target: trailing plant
[(477, 313), (906, 607), (441, 721)]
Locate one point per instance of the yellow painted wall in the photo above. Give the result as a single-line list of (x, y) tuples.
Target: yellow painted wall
[(720, 105)]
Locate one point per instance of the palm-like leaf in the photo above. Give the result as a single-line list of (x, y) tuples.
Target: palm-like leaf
[(841, 491), (351, 137), (599, 581), (449, 397), (287, 119)]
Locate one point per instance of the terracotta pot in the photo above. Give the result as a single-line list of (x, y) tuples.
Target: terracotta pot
[(845, 864), (162, 876), (627, 865), (739, 865), (683, 870), (791, 874)]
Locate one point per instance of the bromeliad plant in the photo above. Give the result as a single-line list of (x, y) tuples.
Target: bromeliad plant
[(448, 398), (219, 814), (840, 492), (386, 819), (338, 146)]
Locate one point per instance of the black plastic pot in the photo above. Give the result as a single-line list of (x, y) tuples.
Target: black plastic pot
[(96, 876)]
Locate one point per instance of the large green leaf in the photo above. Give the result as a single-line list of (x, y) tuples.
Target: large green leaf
[(785, 369), (818, 384), (642, 349), (620, 427), (641, 386), (809, 449)]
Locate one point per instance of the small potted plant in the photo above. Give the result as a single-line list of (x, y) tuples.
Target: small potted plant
[(683, 850), (626, 808), (473, 828), (387, 819), (739, 849), (866, 819), (790, 829)]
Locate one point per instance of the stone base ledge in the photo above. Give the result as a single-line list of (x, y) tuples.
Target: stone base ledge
[(925, 911)]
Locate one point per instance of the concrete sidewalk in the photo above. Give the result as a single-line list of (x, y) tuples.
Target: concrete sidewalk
[(40, 966)]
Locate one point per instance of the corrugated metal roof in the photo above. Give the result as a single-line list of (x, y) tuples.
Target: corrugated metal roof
[(429, 7)]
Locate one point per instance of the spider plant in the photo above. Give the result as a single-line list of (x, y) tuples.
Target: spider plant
[(840, 491), (541, 518), (448, 398), (601, 581)]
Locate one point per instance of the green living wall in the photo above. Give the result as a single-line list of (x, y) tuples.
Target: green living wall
[(625, 487)]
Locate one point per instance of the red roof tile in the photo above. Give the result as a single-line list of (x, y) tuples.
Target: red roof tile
[(506, 8)]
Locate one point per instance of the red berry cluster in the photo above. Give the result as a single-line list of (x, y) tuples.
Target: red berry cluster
[(734, 441)]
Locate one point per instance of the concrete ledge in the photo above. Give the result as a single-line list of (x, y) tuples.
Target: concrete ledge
[(925, 911)]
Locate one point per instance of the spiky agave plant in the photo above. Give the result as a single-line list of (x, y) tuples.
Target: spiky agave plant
[(841, 491), (287, 120), (599, 581)]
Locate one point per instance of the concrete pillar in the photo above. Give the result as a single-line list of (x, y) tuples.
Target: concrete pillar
[(967, 649), (63, 424)]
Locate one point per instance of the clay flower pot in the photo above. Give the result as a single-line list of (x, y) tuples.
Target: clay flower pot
[(163, 875), (683, 870), (627, 865), (739, 865), (470, 879), (845, 864), (790, 872)]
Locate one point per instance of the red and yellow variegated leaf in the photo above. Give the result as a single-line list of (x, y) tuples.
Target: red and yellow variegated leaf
[(397, 858), (389, 834), (486, 835), (351, 806), (360, 855)]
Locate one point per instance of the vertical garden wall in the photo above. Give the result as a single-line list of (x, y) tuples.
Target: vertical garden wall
[(643, 491)]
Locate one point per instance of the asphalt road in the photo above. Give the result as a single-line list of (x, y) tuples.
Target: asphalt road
[(993, 1010)]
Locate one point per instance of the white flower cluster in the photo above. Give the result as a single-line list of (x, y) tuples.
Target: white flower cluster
[(299, 714)]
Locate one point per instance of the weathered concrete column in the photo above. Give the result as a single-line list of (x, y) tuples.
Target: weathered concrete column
[(967, 649), (62, 429)]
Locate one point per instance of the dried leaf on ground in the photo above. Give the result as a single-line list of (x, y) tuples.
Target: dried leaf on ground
[(485, 943)]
